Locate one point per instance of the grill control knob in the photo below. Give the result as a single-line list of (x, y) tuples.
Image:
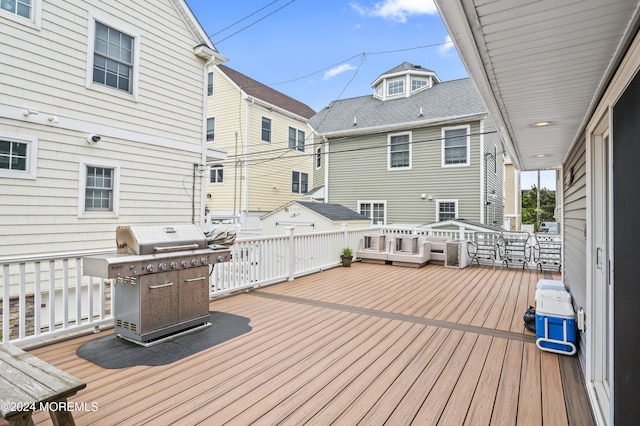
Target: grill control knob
[(173, 265), (184, 264), (162, 266), (194, 262), (204, 260), (149, 268)]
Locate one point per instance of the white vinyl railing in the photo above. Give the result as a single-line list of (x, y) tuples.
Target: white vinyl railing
[(42, 297)]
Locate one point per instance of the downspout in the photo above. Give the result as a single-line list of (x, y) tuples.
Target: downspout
[(203, 157), (246, 157)]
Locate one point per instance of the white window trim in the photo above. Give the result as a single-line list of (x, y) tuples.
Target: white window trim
[(445, 201), (83, 164), (300, 173), (211, 170), (389, 136), (91, 38), (206, 133), (318, 154), (32, 156), (270, 130), (372, 202), (36, 18), (442, 135), (213, 83), (396, 80)]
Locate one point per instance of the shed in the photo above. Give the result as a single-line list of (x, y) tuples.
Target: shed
[(307, 216)]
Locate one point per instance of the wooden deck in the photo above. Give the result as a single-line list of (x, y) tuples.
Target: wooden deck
[(370, 345)]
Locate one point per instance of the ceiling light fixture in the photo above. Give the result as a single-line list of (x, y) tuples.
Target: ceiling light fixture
[(542, 124)]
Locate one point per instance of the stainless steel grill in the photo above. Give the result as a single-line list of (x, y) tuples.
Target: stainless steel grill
[(161, 280)]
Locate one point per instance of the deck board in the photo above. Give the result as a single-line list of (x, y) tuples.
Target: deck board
[(371, 344)]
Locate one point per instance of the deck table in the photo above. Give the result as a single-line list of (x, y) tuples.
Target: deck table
[(27, 383)]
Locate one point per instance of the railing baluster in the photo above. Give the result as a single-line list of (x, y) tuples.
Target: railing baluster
[(37, 301)]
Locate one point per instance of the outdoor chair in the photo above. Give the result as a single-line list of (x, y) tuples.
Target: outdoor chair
[(484, 248), (547, 251), (514, 248)]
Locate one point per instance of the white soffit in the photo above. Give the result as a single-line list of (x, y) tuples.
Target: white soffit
[(538, 61)]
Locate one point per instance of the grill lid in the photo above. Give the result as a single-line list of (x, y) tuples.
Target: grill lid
[(154, 239)]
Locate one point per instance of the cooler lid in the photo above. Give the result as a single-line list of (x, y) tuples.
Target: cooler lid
[(555, 308)]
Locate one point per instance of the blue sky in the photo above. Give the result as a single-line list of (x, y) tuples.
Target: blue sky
[(327, 50)]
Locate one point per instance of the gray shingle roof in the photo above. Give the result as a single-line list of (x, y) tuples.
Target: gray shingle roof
[(333, 211), (406, 66), (265, 93), (444, 101)]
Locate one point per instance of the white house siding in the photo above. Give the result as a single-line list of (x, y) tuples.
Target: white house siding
[(359, 173), (493, 213), (575, 230), (154, 138)]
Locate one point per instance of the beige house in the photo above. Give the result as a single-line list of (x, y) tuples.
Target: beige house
[(512, 197), (267, 139)]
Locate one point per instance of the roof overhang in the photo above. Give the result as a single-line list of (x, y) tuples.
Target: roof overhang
[(540, 66)]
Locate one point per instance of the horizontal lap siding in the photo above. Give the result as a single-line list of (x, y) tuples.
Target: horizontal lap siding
[(41, 215), (359, 172), (575, 222)]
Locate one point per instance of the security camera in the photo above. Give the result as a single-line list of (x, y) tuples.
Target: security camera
[(93, 138)]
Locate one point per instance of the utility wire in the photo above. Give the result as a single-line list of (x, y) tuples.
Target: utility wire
[(254, 22), (246, 17)]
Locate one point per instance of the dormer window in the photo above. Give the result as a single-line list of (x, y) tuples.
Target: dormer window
[(395, 87), (418, 84)]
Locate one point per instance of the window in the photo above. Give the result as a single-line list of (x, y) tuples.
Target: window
[(296, 139), (446, 210), (13, 155), (210, 84), (318, 157), (399, 151), (113, 58), (266, 129), (417, 84), (99, 189), (18, 7), (395, 87), (455, 146), (18, 156), (211, 128), (299, 182), (374, 210), (216, 173)]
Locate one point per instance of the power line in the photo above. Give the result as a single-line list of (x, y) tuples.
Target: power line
[(254, 22), (246, 17)]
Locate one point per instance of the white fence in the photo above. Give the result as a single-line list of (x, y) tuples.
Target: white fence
[(43, 297)]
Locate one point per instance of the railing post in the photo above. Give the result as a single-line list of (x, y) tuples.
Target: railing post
[(345, 240), (292, 253), (462, 231)]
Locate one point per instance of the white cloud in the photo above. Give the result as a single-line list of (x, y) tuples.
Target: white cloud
[(397, 10), (337, 70), (445, 48)]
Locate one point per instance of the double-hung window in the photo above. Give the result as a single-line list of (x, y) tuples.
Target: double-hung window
[(374, 210), (446, 210), (455, 146), (265, 133), (211, 128), (22, 11), (299, 182), (399, 151), (99, 189), (210, 84), (216, 173), (18, 156), (296, 139), (113, 58)]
